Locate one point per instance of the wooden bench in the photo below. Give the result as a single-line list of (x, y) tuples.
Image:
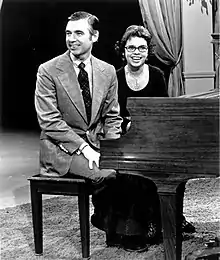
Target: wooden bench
[(60, 186)]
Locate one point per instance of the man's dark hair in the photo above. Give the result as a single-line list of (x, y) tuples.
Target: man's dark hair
[(93, 21)]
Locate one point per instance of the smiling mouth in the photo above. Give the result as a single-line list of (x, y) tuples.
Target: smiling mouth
[(73, 46), (136, 58)]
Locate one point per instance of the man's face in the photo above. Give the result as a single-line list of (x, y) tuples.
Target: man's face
[(79, 39)]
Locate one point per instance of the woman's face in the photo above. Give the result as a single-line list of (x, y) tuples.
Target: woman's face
[(136, 51)]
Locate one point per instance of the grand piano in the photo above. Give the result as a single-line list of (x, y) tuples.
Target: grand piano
[(171, 140)]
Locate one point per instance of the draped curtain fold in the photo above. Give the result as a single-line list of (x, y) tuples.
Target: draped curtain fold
[(163, 20)]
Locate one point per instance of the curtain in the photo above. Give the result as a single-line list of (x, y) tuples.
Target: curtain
[(163, 19)]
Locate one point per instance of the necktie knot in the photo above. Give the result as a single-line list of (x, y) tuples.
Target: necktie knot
[(81, 65)]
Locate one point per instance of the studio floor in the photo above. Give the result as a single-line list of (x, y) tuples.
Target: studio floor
[(19, 152)]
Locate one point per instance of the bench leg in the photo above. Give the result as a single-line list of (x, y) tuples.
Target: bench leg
[(36, 204), (83, 203)]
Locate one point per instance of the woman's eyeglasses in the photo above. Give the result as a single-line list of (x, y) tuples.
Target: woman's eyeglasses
[(132, 48)]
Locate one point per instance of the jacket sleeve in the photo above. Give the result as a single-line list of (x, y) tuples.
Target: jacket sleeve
[(111, 110), (49, 116)]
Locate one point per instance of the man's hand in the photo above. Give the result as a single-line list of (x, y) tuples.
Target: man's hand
[(91, 155)]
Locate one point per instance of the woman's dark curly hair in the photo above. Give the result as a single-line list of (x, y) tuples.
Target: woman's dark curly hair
[(134, 31)]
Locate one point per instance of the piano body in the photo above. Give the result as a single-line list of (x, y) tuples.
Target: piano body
[(171, 140)]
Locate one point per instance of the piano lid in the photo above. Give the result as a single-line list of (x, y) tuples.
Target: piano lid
[(214, 93)]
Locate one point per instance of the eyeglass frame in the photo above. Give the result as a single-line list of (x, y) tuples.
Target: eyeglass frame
[(144, 48)]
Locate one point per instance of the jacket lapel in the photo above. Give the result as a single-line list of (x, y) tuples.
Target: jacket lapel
[(98, 86), (68, 79)]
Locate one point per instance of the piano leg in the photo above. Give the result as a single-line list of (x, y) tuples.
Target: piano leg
[(179, 214), (171, 204)]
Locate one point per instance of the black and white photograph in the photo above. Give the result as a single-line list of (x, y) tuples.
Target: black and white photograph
[(109, 129)]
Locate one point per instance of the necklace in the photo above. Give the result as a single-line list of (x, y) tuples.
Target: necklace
[(137, 81)]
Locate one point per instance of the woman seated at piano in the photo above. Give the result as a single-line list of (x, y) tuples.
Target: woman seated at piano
[(129, 211)]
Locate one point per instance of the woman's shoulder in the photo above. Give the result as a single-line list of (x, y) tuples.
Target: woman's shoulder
[(158, 82), (155, 69), (120, 71), (121, 76)]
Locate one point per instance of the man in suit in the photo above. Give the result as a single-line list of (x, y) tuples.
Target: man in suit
[(77, 105)]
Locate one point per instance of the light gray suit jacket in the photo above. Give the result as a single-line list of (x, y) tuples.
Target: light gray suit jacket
[(61, 112)]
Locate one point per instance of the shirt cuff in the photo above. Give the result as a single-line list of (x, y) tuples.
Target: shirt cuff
[(82, 146)]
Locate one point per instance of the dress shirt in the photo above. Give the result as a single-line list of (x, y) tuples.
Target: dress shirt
[(88, 68)]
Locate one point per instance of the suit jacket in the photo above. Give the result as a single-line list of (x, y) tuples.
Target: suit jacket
[(61, 112)]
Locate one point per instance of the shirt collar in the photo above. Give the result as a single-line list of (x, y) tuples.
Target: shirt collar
[(76, 62)]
